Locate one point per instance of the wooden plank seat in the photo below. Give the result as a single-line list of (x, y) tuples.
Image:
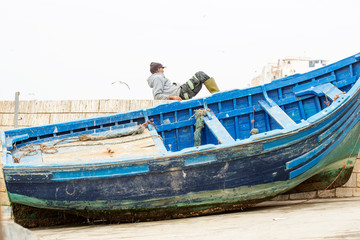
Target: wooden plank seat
[(327, 89), (159, 143), (215, 126), (277, 114), (275, 111)]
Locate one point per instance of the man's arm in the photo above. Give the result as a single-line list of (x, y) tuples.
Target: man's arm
[(175, 98), (158, 89)]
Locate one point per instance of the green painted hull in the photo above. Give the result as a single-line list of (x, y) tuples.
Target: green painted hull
[(337, 166)]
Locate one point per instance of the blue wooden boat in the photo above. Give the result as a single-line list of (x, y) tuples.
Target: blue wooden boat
[(298, 132)]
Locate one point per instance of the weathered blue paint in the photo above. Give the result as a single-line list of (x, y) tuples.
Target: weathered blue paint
[(214, 125), (326, 89), (332, 142), (299, 136), (277, 114), (328, 137), (273, 110), (200, 160), (99, 173)]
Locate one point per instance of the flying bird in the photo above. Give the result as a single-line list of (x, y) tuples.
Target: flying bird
[(121, 82)]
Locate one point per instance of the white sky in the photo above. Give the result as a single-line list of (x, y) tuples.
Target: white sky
[(75, 49)]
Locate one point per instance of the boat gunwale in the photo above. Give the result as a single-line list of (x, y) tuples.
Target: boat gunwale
[(208, 148)]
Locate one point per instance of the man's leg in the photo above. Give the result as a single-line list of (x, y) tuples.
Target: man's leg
[(194, 85), (209, 82), (211, 85)]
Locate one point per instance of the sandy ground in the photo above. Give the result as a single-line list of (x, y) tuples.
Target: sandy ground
[(316, 219)]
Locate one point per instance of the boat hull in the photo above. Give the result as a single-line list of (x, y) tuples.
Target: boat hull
[(188, 205), (181, 192), (306, 127)]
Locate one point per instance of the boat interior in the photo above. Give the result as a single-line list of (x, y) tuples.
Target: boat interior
[(227, 116)]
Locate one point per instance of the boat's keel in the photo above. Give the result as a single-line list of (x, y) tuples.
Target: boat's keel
[(30, 217), (35, 217)]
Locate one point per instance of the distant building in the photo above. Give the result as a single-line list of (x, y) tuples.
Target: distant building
[(286, 67)]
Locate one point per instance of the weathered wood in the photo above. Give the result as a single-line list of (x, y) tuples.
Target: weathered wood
[(89, 115), (159, 142), (137, 104), (221, 134), (4, 128), (26, 107), (16, 112), (64, 117), (128, 146), (65, 110), (277, 114), (7, 119), (61, 106), (113, 106), (327, 89), (84, 106), (33, 119), (7, 107), (134, 130)]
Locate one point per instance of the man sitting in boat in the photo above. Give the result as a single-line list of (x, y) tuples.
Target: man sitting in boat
[(164, 89)]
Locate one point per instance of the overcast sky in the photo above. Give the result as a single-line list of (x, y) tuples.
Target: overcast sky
[(76, 49)]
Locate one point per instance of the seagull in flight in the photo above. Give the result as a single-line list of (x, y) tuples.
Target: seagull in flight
[(121, 82)]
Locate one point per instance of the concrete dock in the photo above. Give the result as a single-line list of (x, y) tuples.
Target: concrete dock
[(315, 219)]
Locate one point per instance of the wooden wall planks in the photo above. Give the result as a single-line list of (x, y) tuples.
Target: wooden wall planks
[(33, 113)]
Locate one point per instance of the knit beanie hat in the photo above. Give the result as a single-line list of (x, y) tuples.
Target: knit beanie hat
[(154, 66)]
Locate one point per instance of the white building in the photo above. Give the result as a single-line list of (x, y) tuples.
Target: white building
[(286, 67)]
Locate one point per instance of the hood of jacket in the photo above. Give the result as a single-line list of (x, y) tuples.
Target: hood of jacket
[(151, 79)]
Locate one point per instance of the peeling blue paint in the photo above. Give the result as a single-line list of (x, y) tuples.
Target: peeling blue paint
[(100, 173), (200, 160)]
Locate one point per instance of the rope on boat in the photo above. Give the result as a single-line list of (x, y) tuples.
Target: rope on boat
[(199, 125), (327, 102), (30, 150), (140, 130), (254, 130)]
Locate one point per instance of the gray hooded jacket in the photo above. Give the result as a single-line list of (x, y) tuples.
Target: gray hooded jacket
[(162, 87)]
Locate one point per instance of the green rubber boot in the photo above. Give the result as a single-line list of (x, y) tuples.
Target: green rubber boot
[(211, 85)]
